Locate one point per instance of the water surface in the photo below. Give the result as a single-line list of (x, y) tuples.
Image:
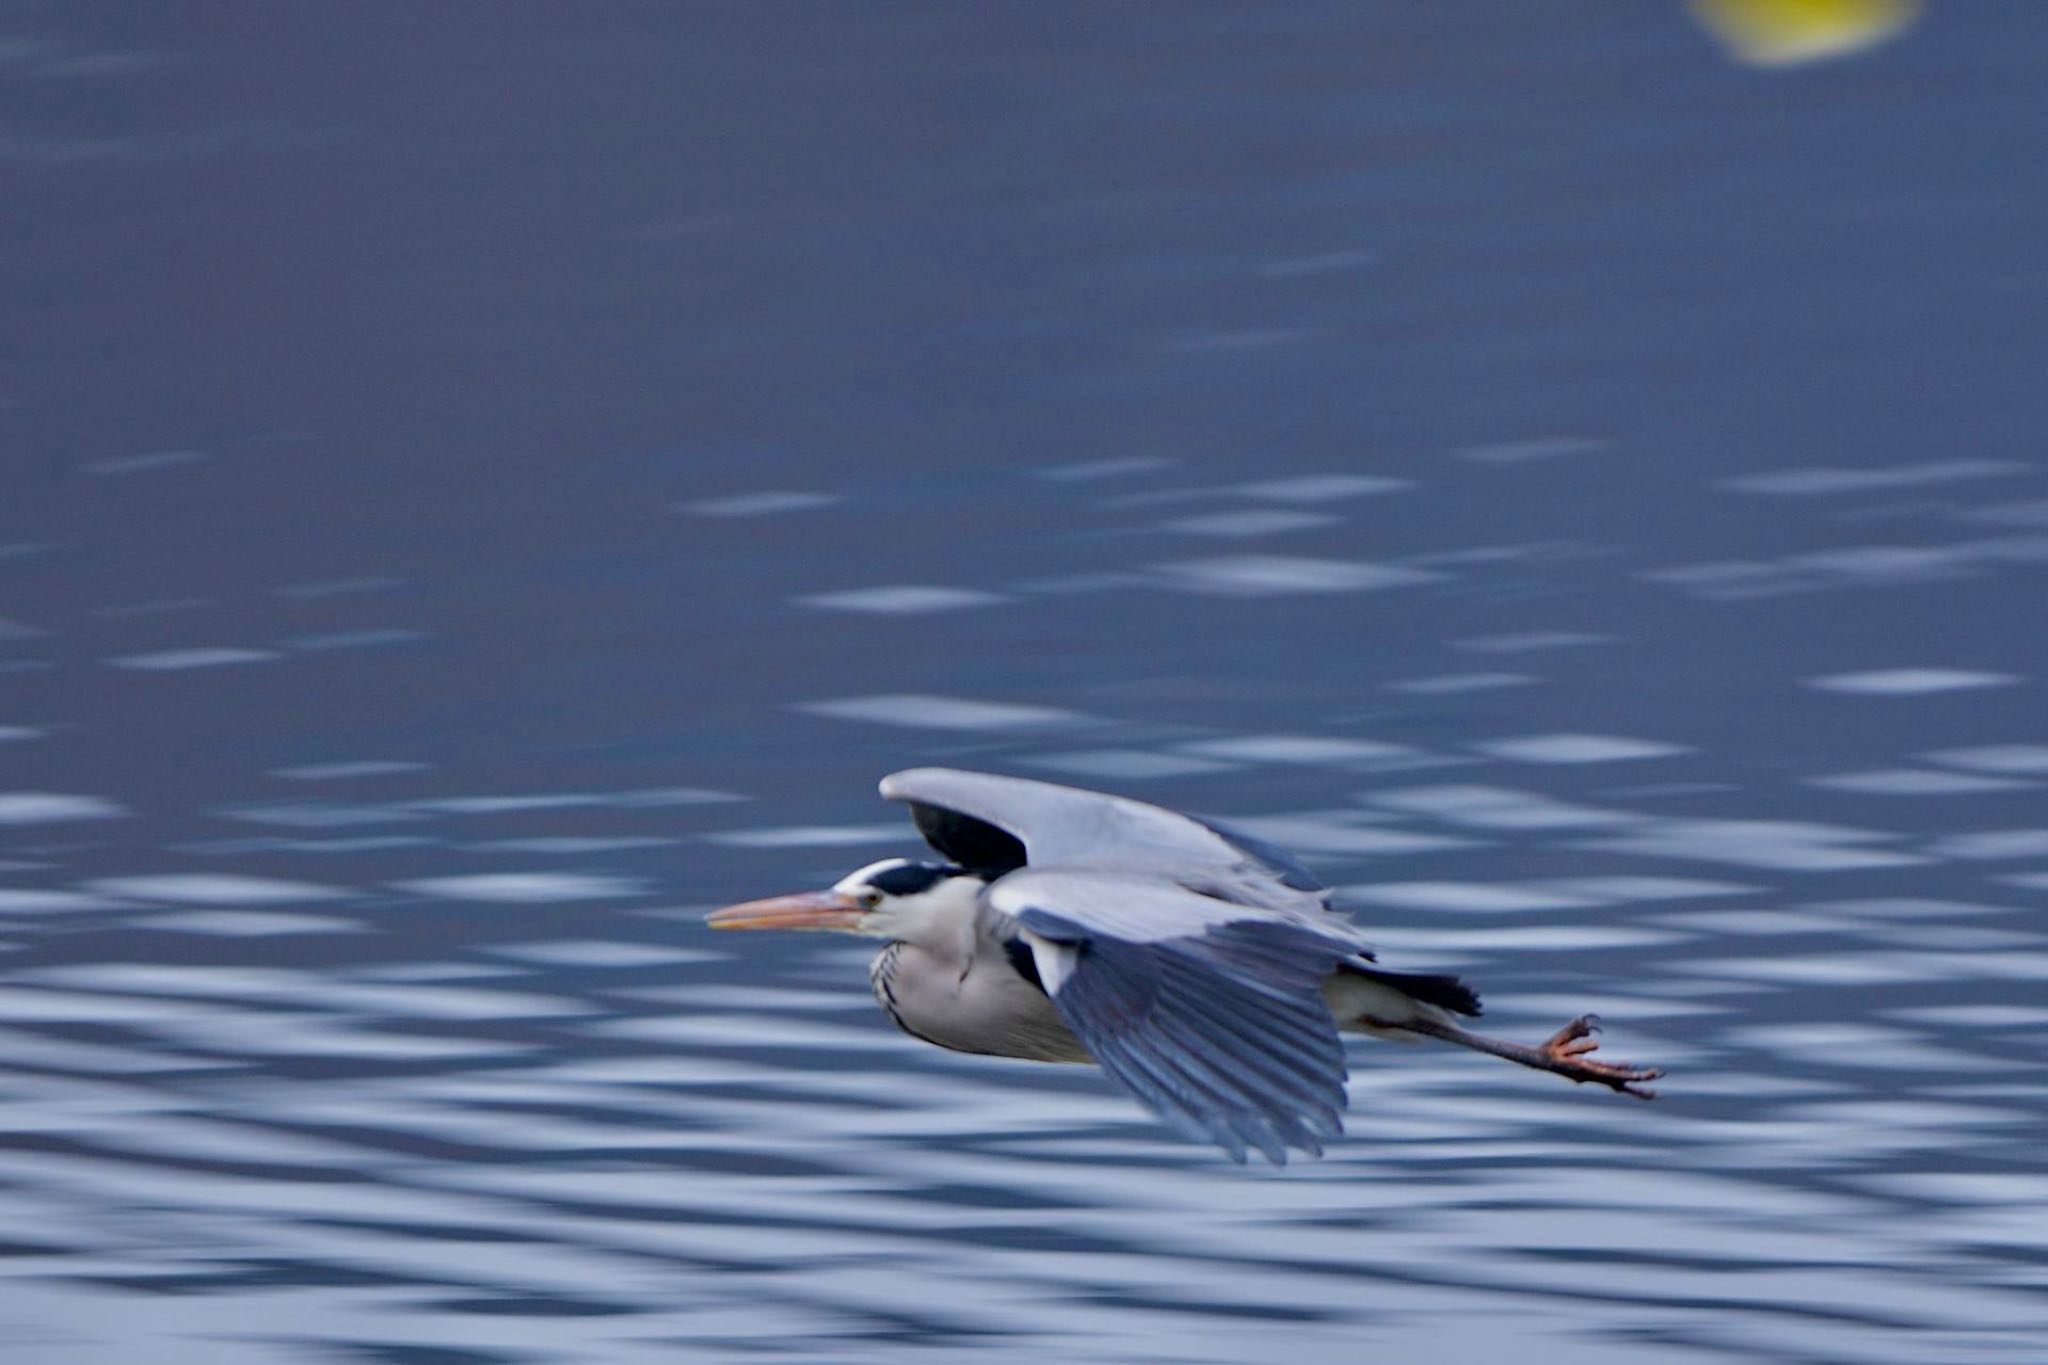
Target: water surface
[(484, 486)]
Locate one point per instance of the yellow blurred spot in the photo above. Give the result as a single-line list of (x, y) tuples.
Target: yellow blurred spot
[(1788, 32)]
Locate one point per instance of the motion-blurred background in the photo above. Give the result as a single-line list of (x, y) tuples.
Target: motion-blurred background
[(480, 484)]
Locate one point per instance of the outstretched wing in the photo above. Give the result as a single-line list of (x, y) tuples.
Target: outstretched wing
[(996, 824), (1210, 1014)]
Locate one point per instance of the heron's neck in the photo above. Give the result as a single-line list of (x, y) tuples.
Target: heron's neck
[(941, 924), (944, 937)]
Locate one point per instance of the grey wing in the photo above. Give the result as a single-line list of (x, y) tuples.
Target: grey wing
[(997, 824), (1210, 1014)]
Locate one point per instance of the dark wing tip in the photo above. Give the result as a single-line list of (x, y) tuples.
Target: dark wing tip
[(980, 847), (977, 844)]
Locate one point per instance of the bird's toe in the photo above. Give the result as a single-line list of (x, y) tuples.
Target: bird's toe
[(1570, 1048)]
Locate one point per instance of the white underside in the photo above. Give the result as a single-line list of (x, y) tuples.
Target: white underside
[(1354, 998), (990, 1009)]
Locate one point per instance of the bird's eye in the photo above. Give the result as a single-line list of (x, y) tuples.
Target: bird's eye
[(871, 900)]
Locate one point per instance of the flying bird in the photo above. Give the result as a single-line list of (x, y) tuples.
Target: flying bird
[(1204, 969)]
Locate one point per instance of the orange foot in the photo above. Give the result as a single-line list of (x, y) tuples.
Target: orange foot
[(1569, 1051)]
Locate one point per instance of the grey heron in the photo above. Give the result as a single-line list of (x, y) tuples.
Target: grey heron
[(1203, 969)]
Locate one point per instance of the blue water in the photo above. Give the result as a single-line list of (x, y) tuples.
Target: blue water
[(484, 485)]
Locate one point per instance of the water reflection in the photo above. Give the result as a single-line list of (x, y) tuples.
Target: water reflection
[(943, 713), (1905, 682), (39, 808), (906, 600)]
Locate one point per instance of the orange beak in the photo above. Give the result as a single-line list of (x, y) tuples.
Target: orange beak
[(806, 910)]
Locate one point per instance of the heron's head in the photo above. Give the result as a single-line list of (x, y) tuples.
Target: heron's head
[(895, 898)]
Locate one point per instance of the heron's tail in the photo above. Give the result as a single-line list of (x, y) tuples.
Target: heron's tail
[(1431, 988)]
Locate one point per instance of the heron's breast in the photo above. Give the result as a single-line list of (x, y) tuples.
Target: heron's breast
[(983, 1006)]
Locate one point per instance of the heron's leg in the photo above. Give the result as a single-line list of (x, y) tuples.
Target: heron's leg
[(1564, 1052)]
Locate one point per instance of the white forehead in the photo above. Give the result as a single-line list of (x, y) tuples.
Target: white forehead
[(860, 877)]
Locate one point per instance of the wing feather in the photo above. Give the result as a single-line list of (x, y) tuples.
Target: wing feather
[(996, 823), (1312, 1097), (1220, 1029)]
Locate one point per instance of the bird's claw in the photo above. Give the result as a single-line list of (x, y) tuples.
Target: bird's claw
[(1568, 1050)]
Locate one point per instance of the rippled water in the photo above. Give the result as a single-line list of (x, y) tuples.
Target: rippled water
[(480, 493)]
